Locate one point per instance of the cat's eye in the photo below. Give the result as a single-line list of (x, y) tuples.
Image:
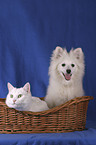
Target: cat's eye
[(63, 64), (20, 95), (72, 65), (11, 96)]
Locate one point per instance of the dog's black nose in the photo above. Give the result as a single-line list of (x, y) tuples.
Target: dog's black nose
[(68, 71)]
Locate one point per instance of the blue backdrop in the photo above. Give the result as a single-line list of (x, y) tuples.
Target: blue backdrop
[(29, 32)]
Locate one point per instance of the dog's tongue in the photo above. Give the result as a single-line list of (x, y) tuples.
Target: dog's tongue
[(67, 76)]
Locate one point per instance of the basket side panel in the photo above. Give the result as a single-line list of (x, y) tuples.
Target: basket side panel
[(66, 119)]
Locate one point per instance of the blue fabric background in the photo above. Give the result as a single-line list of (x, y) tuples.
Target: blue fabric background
[(29, 32)]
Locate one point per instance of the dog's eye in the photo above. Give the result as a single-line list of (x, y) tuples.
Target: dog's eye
[(72, 65), (63, 64)]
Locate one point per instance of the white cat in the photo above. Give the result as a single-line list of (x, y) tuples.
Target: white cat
[(66, 73), (22, 100)]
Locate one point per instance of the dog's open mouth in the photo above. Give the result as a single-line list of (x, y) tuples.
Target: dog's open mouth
[(67, 76)]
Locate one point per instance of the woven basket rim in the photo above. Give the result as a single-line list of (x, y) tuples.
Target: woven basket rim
[(55, 109)]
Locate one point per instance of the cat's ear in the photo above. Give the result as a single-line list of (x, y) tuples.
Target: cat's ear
[(27, 87), (10, 87)]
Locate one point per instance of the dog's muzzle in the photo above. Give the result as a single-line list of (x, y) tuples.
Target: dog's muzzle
[(67, 75)]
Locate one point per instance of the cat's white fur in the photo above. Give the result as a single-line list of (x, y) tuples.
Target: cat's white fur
[(63, 86), (26, 102)]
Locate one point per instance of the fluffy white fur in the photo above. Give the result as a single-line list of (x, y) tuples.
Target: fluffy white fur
[(22, 100), (66, 73)]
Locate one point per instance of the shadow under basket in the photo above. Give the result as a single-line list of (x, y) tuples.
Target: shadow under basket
[(67, 117)]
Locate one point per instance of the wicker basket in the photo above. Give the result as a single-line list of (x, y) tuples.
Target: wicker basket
[(67, 117)]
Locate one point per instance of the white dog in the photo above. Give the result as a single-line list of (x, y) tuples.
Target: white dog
[(66, 73)]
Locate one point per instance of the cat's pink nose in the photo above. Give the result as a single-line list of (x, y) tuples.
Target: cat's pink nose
[(14, 101)]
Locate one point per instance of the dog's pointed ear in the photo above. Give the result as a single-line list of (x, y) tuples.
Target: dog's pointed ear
[(78, 53), (57, 52)]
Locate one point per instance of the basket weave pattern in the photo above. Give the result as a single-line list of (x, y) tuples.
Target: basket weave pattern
[(67, 117)]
